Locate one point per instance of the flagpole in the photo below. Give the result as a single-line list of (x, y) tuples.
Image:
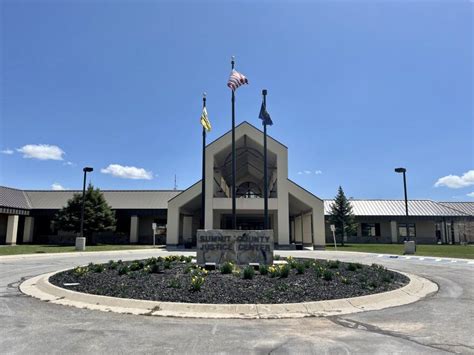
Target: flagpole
[(265, 169), (234, 212), (203, 181)]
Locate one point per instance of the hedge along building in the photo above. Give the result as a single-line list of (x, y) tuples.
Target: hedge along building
[(292, 209)]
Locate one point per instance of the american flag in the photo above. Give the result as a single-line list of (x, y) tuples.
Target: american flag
[(236, 79)]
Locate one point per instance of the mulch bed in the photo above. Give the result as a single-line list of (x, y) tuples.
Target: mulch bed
[(174, 285)]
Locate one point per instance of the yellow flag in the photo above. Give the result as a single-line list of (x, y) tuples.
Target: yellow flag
[(205, 120)]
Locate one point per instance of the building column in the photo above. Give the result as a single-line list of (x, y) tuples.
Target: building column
[(12, 229), (298, 230), (319, 228), (28, 229), (134, 229), (307, 230), (172, 226), (187, 229), (394, 231)]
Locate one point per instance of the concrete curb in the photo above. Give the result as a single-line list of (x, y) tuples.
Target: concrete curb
[(40, 287)]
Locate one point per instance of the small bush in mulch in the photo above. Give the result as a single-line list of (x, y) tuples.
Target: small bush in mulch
[(176, 279), (300, 268), (263, 269), (248, 273), (227, 268), (327, 275)]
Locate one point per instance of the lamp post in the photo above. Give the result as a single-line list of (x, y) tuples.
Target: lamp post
[(403, 171), (81, 241)]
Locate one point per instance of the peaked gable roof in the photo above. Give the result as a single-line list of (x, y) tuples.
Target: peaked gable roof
[(239, 127)]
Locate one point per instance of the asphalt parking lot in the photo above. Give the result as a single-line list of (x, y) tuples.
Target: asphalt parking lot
[(441, 323)]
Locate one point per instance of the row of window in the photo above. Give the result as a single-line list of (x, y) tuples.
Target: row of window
[(405, 230)]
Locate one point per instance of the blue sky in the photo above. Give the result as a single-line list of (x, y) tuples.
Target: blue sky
[(355, 89)]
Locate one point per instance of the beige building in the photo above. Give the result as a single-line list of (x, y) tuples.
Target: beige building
[(292, 209), (297, 217)]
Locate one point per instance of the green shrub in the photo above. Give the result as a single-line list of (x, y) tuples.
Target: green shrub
[(308, 263), (291, 262), (276, 257), (174, 283), (227, 268), (152, 269), (188, 259), (112, 265), (345, 280), (274, 271), (198, 271), (263, 269), (151, 261), (97, 268), (197, 282), (135, 266), (351, 267), (284, 271), (359, 265), (80, 271), (333, 264), (123, 270), (327, 275), (300, 268), (387, 277), (248, 273), (167, 264), (378, 267), (318, 271)]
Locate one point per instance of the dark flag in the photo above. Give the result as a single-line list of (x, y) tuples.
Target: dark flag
[(265, 116)]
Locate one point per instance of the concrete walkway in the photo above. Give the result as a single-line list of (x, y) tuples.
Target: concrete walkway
[(441, 323)]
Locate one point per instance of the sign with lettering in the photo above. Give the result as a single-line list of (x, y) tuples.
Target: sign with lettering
[(238, 246)]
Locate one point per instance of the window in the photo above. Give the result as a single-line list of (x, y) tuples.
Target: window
[(407, 230), (370, 229)]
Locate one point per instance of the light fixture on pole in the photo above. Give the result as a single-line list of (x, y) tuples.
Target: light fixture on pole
[(81, 241), (403, 171)]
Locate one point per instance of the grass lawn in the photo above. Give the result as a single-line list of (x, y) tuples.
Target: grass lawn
[(39, 249), (448, 251)]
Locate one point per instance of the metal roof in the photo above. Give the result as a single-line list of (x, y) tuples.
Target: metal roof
[(158, 199), (117, 199), (13, 198), (397, 208), (465, 207)]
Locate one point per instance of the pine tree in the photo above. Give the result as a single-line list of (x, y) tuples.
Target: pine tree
[(98, 216), (341, 215)]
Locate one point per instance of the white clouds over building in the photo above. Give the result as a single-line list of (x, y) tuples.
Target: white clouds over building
[(127, 172), (41, 152), (455, 181)]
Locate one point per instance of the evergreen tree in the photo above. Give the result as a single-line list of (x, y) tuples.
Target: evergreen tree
[(98, 216), (341, 216)]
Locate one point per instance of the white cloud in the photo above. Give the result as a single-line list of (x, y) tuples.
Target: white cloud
[(57, 187), (7, 151), (455, 181), (309, 172), (42, 152), (127, 172), (470, 194), (69, 163)]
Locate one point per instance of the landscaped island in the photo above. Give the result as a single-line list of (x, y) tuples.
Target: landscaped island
[(178, 279)]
